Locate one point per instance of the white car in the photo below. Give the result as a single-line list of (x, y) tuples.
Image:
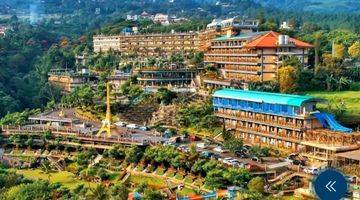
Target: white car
[(201, 145), (144, 128), (227, 160), (120, 124), (220, 149), (132, 126), (312, 170)]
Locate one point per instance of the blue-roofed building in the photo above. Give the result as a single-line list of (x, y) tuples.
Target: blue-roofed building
[(282, 120)]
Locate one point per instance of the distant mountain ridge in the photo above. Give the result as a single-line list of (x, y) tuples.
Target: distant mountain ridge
[(334, 6)]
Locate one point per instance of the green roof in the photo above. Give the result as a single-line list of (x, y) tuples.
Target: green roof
[(241, 36), (264, 97)]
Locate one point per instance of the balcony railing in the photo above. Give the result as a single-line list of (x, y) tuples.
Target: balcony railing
[(281, 135), (233, 51), (262, 120)]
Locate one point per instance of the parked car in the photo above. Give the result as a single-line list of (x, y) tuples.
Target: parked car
[(220, 149), (184, 148), (170, 143), (201, 145), (215, 156), (256, 159), (228, 160), (298, 162), (351, 179), (120, 124), (241, 154), (312, 170), (132, 126), (207, 154), (144, 128)]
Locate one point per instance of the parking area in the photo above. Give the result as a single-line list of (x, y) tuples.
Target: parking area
[(241, 159)]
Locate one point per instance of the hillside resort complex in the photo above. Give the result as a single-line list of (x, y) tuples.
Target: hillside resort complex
[(243, 55), (197, 112), (235, 47)]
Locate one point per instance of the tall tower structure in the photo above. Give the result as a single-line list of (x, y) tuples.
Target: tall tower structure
[(106, 123)]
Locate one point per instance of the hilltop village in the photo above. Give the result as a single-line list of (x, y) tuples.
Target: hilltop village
[(210, 113)]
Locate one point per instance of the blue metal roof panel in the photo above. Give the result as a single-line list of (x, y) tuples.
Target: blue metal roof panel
[(266, 97)]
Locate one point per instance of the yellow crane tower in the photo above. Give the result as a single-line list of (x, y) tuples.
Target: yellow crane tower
[(106, 123)]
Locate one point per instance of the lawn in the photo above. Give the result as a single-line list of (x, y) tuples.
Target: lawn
[(352, 104), (67, 179), (153, 182)]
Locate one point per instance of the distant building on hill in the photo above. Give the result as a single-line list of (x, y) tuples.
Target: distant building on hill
[(147, 44), (234, 46), (2, 30), (285, 25), (67, 81)]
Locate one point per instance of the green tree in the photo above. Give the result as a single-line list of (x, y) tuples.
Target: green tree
[(214, 179), (238, 177), (99, 193), (233, 144), (164, 95), (257, 184), (150, 194), (119, 192), (36, 190), (133, 154), (287, 77)]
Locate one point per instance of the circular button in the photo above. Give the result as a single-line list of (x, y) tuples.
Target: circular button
[(330, 185)]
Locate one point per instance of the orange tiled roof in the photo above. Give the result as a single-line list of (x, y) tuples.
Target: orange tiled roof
[(270, 40)]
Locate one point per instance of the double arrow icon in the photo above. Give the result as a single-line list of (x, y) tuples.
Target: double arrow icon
[(330, 185)]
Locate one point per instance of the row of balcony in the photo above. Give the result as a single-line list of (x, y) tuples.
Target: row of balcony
[(281, 134), (242, 77), (232, 59), (233, 51), (263, 119), (150, 44), (242, 68)]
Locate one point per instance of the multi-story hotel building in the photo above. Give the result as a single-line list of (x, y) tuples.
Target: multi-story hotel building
[(68, 81), (147, 44), (165, 77), (167, 43), (284, 121), (254, 56)]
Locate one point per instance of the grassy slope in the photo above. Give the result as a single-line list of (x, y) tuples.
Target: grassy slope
[(352, 102), (67, 179)]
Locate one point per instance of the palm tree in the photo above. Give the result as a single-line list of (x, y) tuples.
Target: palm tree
[(329, 80), (342, 83)]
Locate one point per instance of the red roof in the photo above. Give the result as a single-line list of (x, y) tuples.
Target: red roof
[(270, 40)]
